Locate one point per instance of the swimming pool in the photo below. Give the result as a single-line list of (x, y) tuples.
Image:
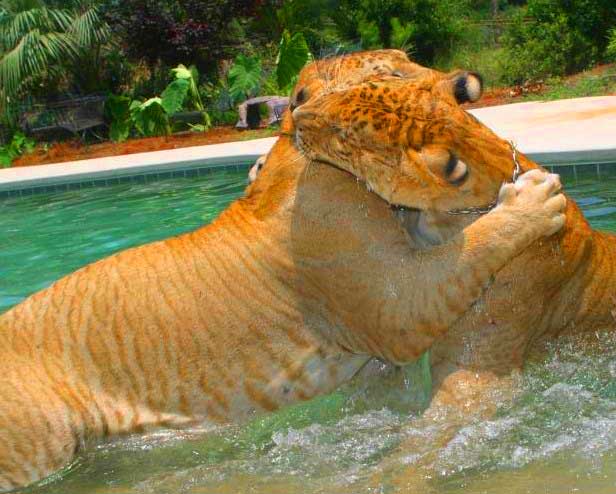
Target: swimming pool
[(63, 231), (557, 436)]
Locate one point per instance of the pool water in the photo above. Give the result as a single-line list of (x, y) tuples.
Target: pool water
[(558, 435), (61, 232)]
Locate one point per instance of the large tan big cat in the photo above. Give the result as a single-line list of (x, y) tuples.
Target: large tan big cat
[(562, 285), (569, 278), (285, 296)]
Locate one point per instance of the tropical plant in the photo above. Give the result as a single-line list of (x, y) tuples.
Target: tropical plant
[(191, 76), (117, 112), (611, 45), (310, 17), (147, 118), (18, 145), (247, 75), (38, 40), (152, 116), (293, 54), (244, 77), (172, 98), (428, 28)]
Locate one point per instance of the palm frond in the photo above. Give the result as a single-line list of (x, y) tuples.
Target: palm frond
[(89, 29), (34, 53), (16, 24), (38, 39)]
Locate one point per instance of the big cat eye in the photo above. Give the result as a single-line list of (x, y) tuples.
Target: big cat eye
[(456, 170)]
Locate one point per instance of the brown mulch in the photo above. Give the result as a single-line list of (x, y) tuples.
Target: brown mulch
[(506, 95), (60, 152)]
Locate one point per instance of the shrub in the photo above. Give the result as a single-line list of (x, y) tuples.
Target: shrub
[(18, 145), (611, 45), (557, 37), (309, 17), (152, 116), (177, 30), (425, 27), (293, 54), (43, 44), (117, 113), (244, 77), (247, 76), (228, 117)]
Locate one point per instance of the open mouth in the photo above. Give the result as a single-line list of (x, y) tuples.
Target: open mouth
[(426, 229)]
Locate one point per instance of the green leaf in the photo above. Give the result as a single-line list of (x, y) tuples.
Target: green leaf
[(6, 157), (120, 130), (150, 118), (117, 107), (402, 34), (39, 39), (207, 123), (181, 72), (28, 146), (244, 77), (190, 75), (174, 95), (194, 72), (369, 34), (292, 56), (118, 112), (197, 127), (611, 46)]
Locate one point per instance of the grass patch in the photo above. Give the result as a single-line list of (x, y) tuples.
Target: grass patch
[(586, 84), (248, 135)]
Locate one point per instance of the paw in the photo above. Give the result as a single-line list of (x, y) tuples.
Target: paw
[(537, 196)]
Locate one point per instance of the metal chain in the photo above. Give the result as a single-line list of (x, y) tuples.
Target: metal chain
[(485, 209), (517, 168)]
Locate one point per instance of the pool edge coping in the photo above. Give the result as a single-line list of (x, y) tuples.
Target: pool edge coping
[(128, 165)]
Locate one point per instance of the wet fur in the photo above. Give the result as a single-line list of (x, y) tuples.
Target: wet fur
[(285, 296), (561, 285)]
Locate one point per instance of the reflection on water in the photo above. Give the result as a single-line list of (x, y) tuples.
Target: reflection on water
[(557, 436)]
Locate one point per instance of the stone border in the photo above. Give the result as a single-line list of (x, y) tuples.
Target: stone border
[(144, 178), (574, 131), (131, 165)]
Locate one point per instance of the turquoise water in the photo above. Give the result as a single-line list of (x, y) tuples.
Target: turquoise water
[(558, 435), (46, 236)]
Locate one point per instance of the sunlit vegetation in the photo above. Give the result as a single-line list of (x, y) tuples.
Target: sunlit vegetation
[(156, 59)]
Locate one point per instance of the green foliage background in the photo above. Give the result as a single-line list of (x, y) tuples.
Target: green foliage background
[(133, 50)]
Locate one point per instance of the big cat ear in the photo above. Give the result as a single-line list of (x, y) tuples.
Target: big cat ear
[(466, 86)]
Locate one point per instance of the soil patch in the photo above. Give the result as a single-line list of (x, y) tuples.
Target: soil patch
[(60, 152)]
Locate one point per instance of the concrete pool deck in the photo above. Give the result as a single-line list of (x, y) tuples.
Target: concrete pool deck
[(563, 132)]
